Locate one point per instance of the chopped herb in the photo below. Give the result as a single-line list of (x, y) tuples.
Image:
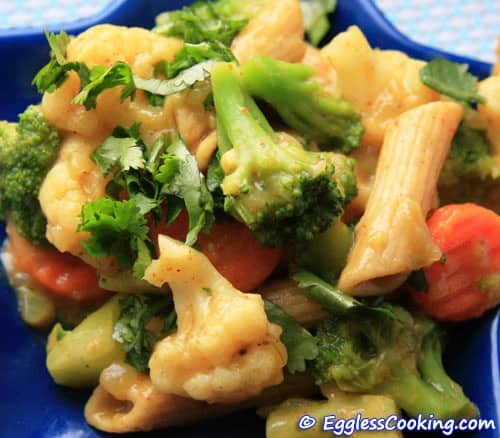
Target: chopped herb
[(207, 290), (451, 79), (118, 229), (316, 21), (131, 327), (300, 344)]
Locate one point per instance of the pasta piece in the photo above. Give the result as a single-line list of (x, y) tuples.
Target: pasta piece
[(276, 31), (286, 294), (490, 111), (382, 84), (141, 49), (392, 238), (73, 180), (127, 401), (225, 349)]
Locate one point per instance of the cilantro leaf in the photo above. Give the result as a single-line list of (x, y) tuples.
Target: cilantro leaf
[(102, 78), (181, 177), (118, 229), (300, 344), (192, 54), (130, 329), (123, 151), (58, 44), (184, 80), (316, 20), (451, 79), (215, 176), (201, 21)]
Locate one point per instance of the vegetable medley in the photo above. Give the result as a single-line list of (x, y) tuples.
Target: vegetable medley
[(215, 214)]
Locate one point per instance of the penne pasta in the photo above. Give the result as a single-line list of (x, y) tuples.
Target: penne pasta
[(382, 84), (392, 238), (127, 401)]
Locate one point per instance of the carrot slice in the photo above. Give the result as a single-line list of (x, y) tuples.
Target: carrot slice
[(60, 273), (232, 249), (466, 283)]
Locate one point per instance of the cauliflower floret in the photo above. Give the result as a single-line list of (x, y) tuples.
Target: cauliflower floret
[(276, 31), (225, 349), (73, 180), (141, 50)]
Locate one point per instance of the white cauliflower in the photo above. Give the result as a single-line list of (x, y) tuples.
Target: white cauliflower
[(225, 349)]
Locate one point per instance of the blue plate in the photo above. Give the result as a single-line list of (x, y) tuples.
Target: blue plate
[(31, 405)]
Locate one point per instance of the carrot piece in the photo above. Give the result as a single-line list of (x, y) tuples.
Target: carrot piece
[(231, 248), (466, 283), (60, 273)]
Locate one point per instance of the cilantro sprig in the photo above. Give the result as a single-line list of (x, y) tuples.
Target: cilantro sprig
[(316, 20), (300, 344), (118, 229), (451, 79), (131, 327), (149, 178), (191, 65)]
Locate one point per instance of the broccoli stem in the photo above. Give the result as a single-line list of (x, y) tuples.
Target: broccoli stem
[(247, 125), (303, 103), (415, 396), (432, 371)]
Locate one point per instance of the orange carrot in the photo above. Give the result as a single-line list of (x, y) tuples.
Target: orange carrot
[(60, 273), (232, 249), (466, 282)]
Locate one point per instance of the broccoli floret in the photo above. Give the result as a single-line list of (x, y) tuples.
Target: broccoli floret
[(390, 353), (27, 149), (272, 184), (303, 104), (469, 158)]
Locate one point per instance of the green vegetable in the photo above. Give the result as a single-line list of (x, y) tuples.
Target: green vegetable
[(27, 150), (451, 79), (303, 104), (469, 158), (207, 21), (300, 344), (118, 229), (181, 177), (131, 329), (326, 254), (332, 298), (272, 184), (191, 65), (390, 353), (316, 21), (168, 172), (76, 358), (127, 152)]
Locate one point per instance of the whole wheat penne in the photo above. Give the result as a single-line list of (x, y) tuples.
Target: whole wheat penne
[(392, 238), (127, 401)]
